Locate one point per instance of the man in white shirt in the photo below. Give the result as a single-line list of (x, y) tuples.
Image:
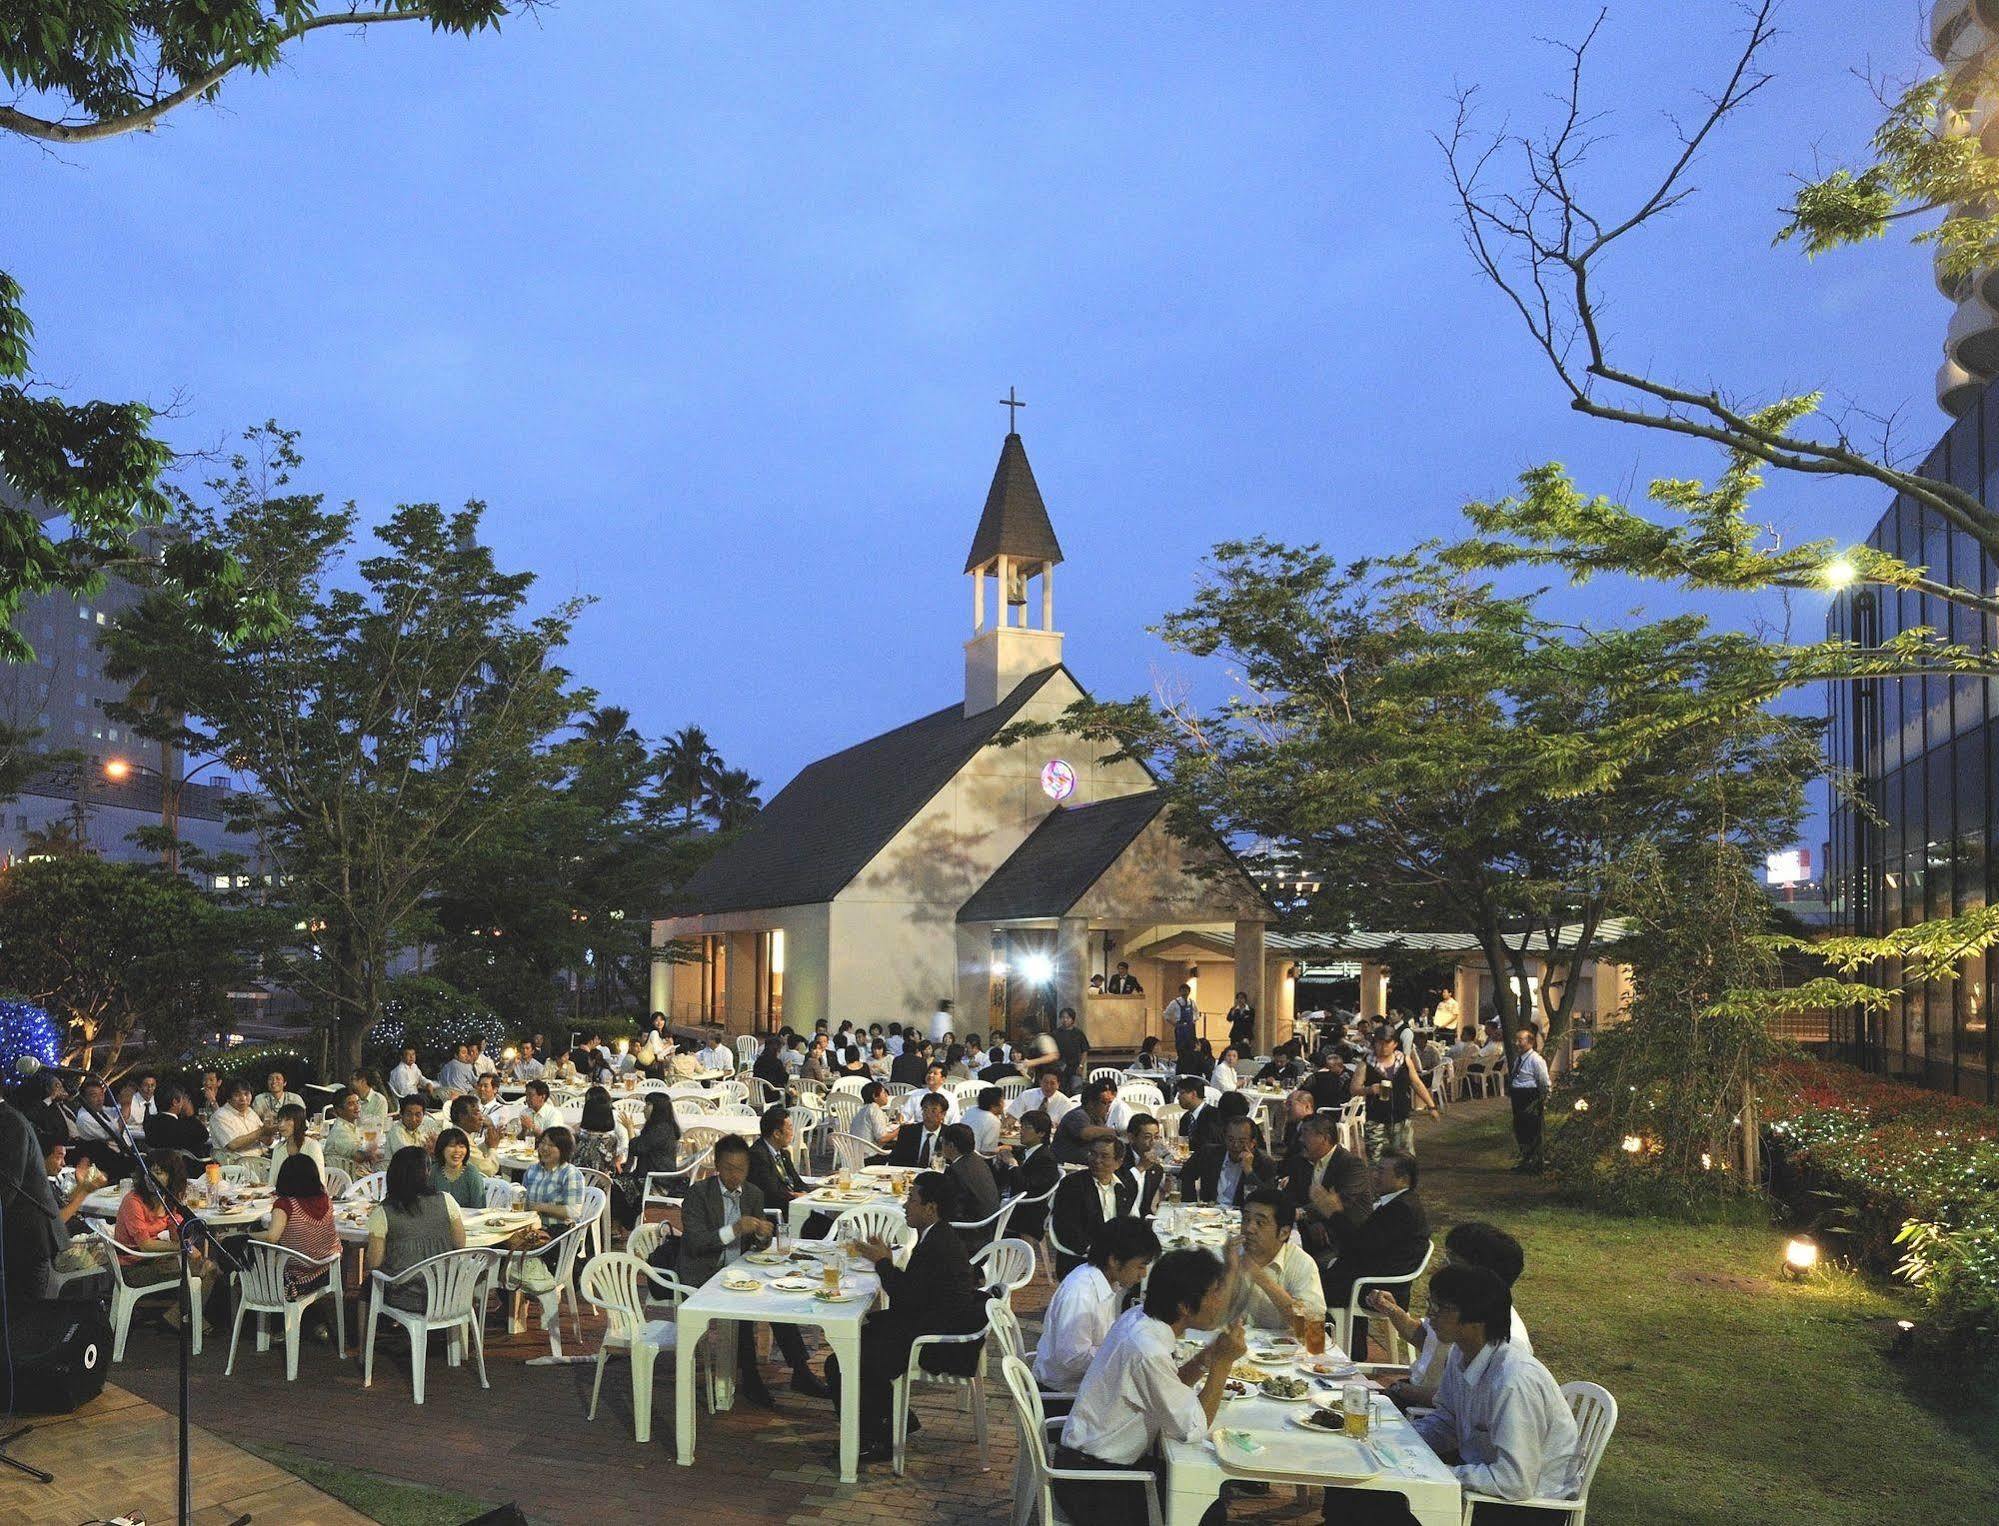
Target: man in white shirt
[(1134, 1395), (941, 1023), (499, 1112), (1087, 1302), (1472, 1243), (527, 1067), (1527, 1086), (275, 1097), (871, 1122), (482, 1062), (412, 1126), (984, 1120), (1280, 1281), (407, 1079), (894, 1041), (96, 1116), (718, 1055), (235, 1128), (143, 1105), (933, 1084), (1045, 1094), (1500, 1420), (539, 1112)]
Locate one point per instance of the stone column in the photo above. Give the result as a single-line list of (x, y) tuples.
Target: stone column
[(1373, 990), (1072, 963), (1250, 975)]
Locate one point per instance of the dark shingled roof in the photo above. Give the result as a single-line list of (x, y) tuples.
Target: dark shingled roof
[(1015, 521), (1062, 858), (823, 827)]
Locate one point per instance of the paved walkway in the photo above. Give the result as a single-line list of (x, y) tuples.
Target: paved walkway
[(117, 1456)]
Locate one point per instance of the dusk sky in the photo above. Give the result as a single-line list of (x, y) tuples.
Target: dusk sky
[(712, 304)]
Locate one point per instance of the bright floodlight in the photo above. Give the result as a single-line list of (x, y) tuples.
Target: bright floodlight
[(1038, 968), (116, 768), (1839, 572)]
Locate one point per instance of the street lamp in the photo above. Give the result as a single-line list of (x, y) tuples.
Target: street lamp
[(120, 769)]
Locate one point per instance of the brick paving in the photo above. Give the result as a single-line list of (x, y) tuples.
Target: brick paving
[(527, 1440)]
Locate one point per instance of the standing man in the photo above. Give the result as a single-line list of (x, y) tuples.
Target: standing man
[(1072, 1044), (1124, 983), (1527, 1085), (1180, 1016), (941, 1023)]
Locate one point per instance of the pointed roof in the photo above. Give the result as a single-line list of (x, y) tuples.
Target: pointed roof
[(1062, 858), (825, 826), (1015, 521)]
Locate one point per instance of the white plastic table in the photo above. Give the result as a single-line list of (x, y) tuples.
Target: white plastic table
[(877, 1182), (1196, 1471), (253, 1209), (712, 1303)]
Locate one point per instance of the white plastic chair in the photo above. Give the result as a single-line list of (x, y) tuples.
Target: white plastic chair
[(1107, 1073), (369, 1189), (1343, 1320), (734, 1092), (897, 1090), (1008, 1265), (915, 1373), (503, 1194), (337, 1182), (562, 1248), (1353, 1126), (684, 1107), (840, 1110), (876, 1221), (125, 1296), (644, 1239), (1044, 1201), (247, 1173), (965, 1093), (807, 1124), (851, 1152), (1035, 1476), (616, 1282), (453, 1286), (986, 1232), (747, 1045), (849, 1085), (1442, 1083), (1012, 1086), (1141, 1097), (1596, 1417), (260, 1290), (697, 1142), (600, 1226)]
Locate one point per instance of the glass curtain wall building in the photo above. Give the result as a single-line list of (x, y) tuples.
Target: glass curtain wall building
[(1921, 751)]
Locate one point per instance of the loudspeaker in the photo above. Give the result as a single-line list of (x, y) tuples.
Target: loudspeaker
[(61, 1348)]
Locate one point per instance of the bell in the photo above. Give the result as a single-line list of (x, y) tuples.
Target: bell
[(1016, 585)]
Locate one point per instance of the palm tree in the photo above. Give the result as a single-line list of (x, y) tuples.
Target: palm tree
[(608, 727), (688, 765), (59, 839), (732, 797)]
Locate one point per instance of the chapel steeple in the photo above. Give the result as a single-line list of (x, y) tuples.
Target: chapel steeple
[(1014, 544)]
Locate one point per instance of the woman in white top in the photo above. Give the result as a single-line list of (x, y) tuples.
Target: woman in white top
[(292, 1139), (1086, 1304), (1225, 1074), (1135, 1393)]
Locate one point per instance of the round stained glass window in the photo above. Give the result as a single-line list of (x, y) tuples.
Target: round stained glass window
[(1058, 779)]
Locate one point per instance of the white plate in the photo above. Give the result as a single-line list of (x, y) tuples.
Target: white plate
[(751, 1285), (823, 1297), (1264, 1393), (794, 1285), (1319, 1367)]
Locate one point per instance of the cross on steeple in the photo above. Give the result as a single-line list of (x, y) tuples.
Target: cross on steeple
[(1010, 403)]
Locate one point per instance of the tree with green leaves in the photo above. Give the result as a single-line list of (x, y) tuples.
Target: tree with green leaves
[(688, 767), (398, 717), (84, 73), (114, 950), (1542, 232), (1446, 758)]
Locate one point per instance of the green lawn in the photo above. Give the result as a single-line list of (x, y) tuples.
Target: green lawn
[(1741, 1397), (386, 1500)]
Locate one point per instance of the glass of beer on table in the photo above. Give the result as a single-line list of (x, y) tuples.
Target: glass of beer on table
[(1354, 1401)]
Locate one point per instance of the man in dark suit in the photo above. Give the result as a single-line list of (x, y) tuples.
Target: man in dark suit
[(1200, 1124), (978, 1193), (173, 1125), (919, 1144), (1029, 1173), (721, 1217), (1391, 1243), (1228, 1175), (1142, 1170), (1329, 1186), (909, 1066), (936, 1293), (1330, 1083), (1086, 1200), (773, 1174)]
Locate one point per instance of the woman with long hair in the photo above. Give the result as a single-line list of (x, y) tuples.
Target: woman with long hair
[(293, 1142), (412, 1223), (453, 1172), (302, 1220), (143, 1226), (601, 1141)]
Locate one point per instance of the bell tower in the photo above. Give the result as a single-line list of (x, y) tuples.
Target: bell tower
[(1015, 546)]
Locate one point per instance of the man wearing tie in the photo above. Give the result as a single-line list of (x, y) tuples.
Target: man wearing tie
[(1086, 1201), (1330, 1188), (917, 1146), (1142, 1170), (773, 1174), (721, 1217), (1229, 1174), (1200, 1124)]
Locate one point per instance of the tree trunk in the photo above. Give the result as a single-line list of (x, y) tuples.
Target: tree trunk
[(1752, 1142)]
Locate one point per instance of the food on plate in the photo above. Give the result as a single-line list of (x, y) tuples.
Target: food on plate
[(1249, 1372), (1285, 1388), (1325, 1419), (1235, 1388)]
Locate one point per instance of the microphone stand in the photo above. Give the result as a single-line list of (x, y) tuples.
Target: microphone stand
[(186, 1223)]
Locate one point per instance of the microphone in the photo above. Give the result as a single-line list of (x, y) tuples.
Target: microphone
[(28, 1065)]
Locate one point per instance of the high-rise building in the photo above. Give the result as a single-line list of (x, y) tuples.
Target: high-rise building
[(1964, 36)]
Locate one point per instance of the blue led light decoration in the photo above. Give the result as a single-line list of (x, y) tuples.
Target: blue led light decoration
[(27, 1030)]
